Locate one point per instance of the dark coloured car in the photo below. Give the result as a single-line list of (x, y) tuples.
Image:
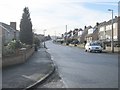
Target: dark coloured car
[(75, 42)]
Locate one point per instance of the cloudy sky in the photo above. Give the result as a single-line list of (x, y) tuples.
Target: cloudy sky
[(54, 15)]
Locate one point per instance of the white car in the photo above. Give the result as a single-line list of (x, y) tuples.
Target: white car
[(93, 47)]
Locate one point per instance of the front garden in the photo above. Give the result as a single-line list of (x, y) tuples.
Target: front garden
[(13, 48)]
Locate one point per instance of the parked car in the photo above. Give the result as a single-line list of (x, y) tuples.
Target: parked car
[(75, 42), (93, 47)]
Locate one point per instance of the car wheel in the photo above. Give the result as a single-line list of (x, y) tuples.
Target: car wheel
[(89, 50), (85, 50), (100, 51)]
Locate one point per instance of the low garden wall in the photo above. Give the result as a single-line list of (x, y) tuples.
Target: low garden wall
[(17, 59), (116, 49)]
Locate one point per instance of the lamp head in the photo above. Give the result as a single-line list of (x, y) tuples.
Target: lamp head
[(110, 10), (44, 30)]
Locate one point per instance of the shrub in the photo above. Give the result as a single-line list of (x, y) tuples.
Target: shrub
[(7, 50), (37, 41), (11, 47)]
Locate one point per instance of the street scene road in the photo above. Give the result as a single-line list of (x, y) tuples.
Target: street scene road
[(59, 44), (80, 69)]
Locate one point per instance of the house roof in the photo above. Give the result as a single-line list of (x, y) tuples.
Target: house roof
[(108, 22), (70, 32), (6, 27), (85, 31)]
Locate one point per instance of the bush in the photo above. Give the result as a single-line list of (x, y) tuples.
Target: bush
[(37, 41), (7, 50), (11, 47)]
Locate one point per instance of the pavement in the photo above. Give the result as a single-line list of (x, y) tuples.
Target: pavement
[(108, 50), (27, 75)]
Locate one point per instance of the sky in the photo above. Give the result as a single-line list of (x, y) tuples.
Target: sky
[(54, 15)]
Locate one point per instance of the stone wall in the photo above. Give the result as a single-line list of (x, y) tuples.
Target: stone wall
[(14, 60)]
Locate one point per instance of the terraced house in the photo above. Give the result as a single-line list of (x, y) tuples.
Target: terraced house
[(92, 33), (82, 37), (101, 32), (105, 32)]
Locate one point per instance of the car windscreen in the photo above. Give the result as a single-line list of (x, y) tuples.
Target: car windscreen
[(94, 44)]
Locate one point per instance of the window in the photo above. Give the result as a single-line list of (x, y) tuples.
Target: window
[(101, 29), (115, 25), (90, 31), (115, 37), (108, 27), (101, 37), (108, 36)]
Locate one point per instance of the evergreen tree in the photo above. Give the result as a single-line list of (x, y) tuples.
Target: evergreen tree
[(49, 38), (26, 34)]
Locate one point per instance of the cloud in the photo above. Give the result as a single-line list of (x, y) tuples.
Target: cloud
[(70, 14), (53, 15)]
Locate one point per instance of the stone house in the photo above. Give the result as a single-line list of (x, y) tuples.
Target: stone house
[(8, 33)]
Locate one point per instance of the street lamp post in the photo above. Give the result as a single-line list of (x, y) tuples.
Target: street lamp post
[(44, 37), (112, 41)]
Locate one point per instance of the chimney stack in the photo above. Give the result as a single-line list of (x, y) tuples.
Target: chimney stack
[(13, 25)]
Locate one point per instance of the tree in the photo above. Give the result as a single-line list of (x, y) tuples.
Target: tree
[(36, 41), (26, 34), (49, 38)]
